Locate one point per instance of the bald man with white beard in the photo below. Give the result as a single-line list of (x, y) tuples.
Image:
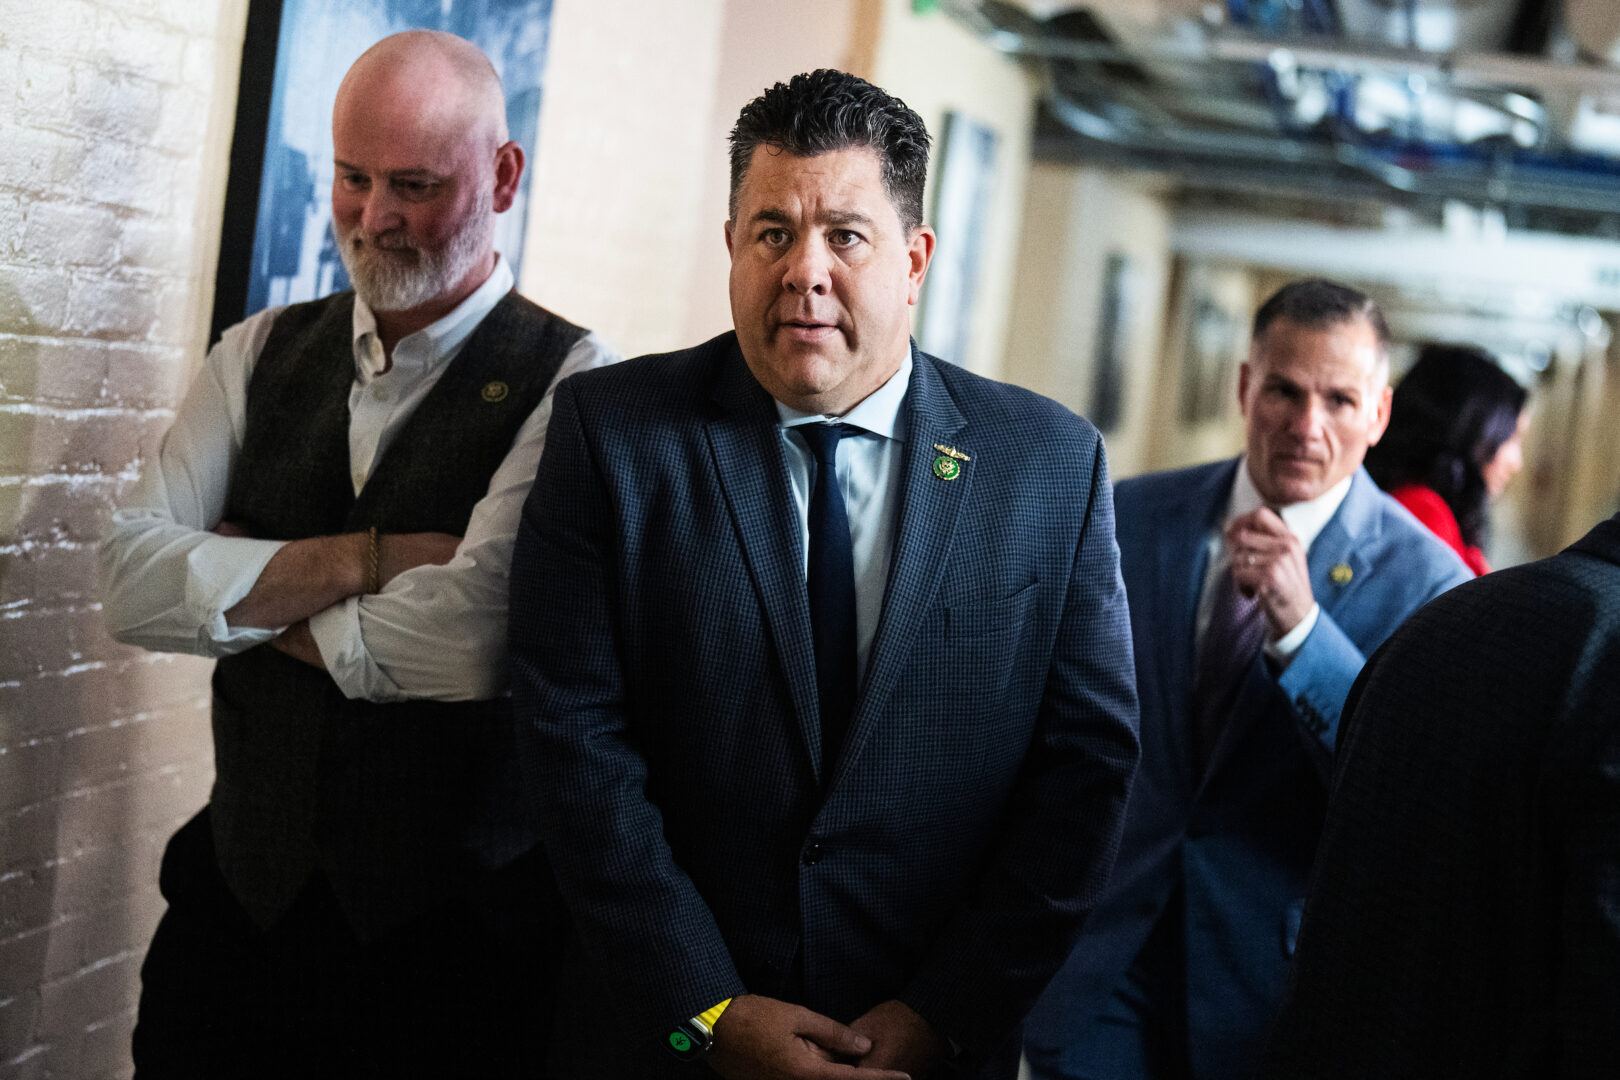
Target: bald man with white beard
[(332, 516)]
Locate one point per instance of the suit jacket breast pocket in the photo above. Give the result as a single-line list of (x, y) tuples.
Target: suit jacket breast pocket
[(976, 619), (976, 674)]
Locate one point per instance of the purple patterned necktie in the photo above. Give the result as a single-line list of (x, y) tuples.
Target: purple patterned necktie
[(1237, 629)]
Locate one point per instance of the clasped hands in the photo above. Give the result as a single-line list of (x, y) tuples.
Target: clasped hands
[(761, 1038), (1268, 563)]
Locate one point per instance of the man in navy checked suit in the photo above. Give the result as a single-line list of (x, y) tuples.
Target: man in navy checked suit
[(761, 881)]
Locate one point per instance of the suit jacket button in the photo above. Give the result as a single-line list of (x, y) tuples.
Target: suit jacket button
[(813, 852)]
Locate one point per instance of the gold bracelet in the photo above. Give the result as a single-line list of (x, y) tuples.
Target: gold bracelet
[(373, 561)]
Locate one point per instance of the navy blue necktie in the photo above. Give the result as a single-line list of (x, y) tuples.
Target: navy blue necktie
[(830, 582)]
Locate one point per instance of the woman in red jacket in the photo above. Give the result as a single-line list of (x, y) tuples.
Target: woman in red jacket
[(1455, 436)]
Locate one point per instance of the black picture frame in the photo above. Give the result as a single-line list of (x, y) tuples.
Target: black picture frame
[(1209, 355), (247, 166), (1113, 339)]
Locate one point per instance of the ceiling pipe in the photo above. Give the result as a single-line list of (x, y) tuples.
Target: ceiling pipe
[(1314, 171), (1167, 145), (1190, 141), (1463, 68)]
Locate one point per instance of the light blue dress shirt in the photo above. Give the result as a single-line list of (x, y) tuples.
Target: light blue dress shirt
[(869, 476)]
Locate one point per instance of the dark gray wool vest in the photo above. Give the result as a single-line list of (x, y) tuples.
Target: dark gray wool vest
[(397, 803)]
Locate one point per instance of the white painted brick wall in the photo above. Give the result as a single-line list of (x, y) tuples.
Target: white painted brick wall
[(114, 128)]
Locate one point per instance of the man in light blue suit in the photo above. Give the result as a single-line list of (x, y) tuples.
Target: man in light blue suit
[(1257, 589)]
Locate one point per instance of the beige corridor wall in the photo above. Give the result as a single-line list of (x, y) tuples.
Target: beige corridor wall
[(936, 67), (618, 175), (762, 44), (1074, 219), (115, 126)]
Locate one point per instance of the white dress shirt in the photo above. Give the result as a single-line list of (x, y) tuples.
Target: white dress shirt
[(435, 632), (869, 477), (1305, 520)]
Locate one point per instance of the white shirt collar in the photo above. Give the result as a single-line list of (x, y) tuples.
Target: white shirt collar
[(879, 412), (432, 344), (1304, 519)]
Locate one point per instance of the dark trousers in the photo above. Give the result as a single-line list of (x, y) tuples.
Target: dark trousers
[(462, 990), (1141, 1032)]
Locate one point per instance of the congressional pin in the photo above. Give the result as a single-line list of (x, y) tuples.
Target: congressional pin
[(1341, 574), (947, 468), (952, 452), (495, 391)]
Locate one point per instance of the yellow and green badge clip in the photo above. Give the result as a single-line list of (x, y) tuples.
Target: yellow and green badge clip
[(948, 466)]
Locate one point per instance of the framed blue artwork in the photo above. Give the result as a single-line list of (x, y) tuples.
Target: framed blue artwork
[(277, 245)]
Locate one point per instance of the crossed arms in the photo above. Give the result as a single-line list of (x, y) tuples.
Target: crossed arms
[(176, 578)]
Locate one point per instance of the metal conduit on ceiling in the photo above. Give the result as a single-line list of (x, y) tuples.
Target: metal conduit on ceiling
[(1512, 104)]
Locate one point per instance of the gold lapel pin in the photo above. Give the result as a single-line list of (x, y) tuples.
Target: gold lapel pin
[(495, 391), (952, 452), (947, 468), (1341, 574)]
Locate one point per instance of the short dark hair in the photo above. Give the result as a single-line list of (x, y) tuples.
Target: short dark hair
[(825, 111), (1316, 303), (1450, 414)]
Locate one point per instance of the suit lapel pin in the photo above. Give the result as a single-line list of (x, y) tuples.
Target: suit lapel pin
[(494, 391), (948, 466), (1341, 574)]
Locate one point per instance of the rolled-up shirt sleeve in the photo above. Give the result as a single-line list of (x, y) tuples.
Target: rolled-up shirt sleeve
[(439, 632), (166, 579)]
